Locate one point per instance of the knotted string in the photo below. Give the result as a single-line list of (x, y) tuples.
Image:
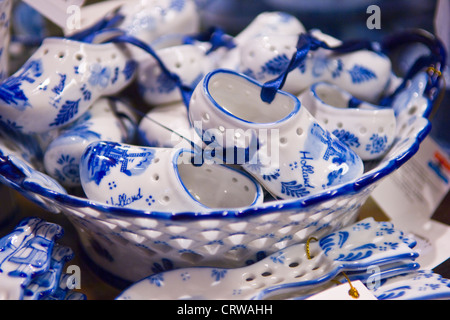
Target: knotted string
[(305, 44)]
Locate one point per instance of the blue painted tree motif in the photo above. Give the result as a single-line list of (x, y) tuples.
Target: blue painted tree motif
[(360, 74), (293, 189), (67, 112)]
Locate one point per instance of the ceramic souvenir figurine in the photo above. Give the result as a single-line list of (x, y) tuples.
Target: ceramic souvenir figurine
[(60, 81), (162, 179), (363, 73), (280, 143), (167, 126), (26, 253), (265, 24), (46, 283), (108, 119), (354, 248), (367, 129), (5, 36), (188, 62)]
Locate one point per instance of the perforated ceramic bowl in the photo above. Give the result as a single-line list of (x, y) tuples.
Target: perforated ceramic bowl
[(132, 244)]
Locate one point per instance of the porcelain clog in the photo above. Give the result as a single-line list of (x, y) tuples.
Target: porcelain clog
[(162, 179), (280, 143), (189, 62), (60, 81), (298, 267), (265, 24), (367, 129), (108, 119), (167, 126), (363, 73), (26, 253)]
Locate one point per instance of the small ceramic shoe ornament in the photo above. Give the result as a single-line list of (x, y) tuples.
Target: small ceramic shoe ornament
[(352, 249), (108, 119), (60, 81), (166, 179), (146, 20), (367, 129), (363, 73), (280, 143), (187, 61), (167, 126), (265, 24)]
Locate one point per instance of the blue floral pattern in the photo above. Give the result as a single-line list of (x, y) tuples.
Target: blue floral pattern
[(100, 76)]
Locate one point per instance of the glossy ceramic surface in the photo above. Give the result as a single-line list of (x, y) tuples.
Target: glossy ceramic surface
[(354, 248), (108, 119)]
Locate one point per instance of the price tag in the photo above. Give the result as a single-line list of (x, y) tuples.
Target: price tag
[(413, 192), (410, 196), (57, 11), (341, 292)]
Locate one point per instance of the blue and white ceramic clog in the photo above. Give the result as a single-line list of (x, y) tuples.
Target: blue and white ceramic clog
[(363, 73), (280, 143), (354, 249), (367, 129), (60, 81), (26, 253), (108, 119), (162, 179)]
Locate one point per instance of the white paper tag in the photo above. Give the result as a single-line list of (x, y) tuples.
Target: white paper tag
[(58, 11), (411, 195), (341, 292), (415, 190)]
